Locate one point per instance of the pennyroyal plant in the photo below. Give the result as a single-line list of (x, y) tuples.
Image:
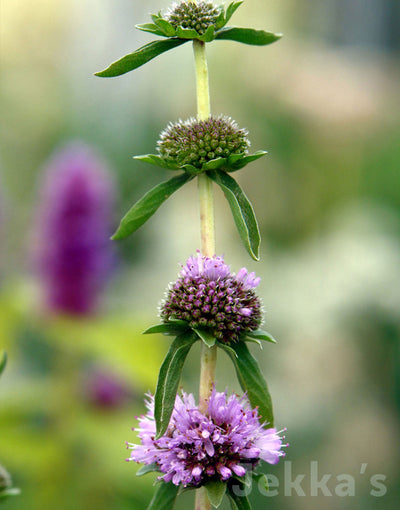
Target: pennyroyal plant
[(215, 446)]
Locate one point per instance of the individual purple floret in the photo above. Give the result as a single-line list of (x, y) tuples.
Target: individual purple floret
[(226, 440), (208, 295), (74, 254)]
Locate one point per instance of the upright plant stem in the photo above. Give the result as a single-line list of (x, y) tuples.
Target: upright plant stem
[(207, 230)]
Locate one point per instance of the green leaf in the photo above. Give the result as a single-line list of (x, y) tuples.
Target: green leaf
[(253, 340), (186, 33), (139, 57), (221, 21), (192, 170), (154, 159), (261, 478), (231, 9), (235, 157), (252, 381), (166, 27), (205, 336), (168, 328), (214, 164), (13, 491), (165, 496), (152, 28), (226, 348), (242, 211), (261, 335), (215, 492), (245, 160), (3, 362), (168, 380), (238, 502), (247, 36), (148, 205), (148, 468), (209, 34)]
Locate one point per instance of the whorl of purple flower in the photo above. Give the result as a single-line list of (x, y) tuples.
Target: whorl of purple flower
[(74, 254), (208, 295), (224, 441)]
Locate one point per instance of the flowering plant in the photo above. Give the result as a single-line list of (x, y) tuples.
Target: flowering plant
[(214, 446)]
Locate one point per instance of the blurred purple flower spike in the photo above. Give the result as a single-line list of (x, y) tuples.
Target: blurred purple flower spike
[(74, 253)]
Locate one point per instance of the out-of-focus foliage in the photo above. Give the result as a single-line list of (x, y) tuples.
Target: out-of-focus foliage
[(324, 101)]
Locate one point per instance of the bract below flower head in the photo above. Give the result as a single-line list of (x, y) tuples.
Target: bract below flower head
[(208, 295), (193, 15), (196, 142), (226, 440)]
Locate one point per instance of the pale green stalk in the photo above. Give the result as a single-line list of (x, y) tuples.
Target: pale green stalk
[(207, 230)]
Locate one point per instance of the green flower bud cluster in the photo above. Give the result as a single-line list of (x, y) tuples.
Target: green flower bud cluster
[(192, 15), (194, 142)]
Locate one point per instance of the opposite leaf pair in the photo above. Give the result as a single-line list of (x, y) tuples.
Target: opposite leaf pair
[(188, 21)]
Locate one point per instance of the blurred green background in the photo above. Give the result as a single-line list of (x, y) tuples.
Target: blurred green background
[(324, 101)]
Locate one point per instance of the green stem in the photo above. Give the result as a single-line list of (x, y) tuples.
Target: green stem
[(207, 230)]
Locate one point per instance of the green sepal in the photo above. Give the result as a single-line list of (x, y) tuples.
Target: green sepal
[(259, 334), (245, 160), (154, 159), (252, 381), (164, 497), (152, 28), (238, 502), (247, 36), (231, 10), (148, 468), (168, 328), (205, 336), (242, 211), (139, 57), (3, 362), (215, 492), (148, 205), (168, 380)]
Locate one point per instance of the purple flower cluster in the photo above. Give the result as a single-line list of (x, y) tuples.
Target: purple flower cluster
[(208, 295), (199, 447), (74, 251)]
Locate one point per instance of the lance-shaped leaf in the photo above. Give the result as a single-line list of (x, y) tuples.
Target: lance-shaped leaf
[(154, 159), (204, 335), (152, 28), (259, 334), (3, 362), (252, 381), (215, 492), (165, 496), (148, 468), (245, 160), (139, 57), (247, 36), (231, 9), (168, 380), (242, 211), (148, 205), (237, 496), (169, 328)]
